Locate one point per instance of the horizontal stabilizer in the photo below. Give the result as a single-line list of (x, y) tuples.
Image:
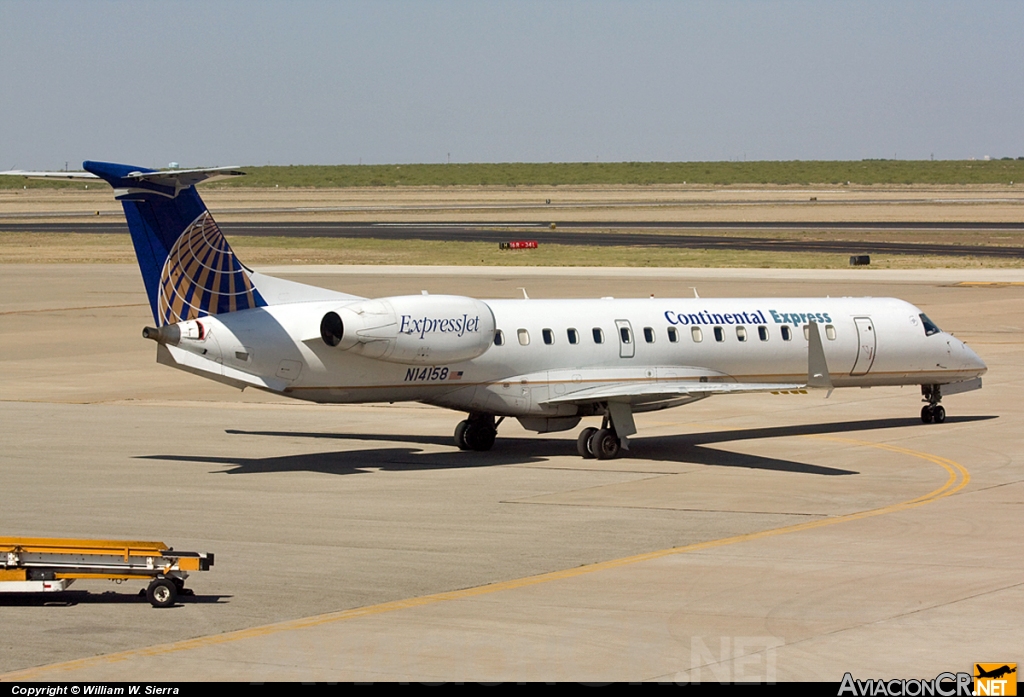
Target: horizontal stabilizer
[(139, 183), (48, 175), (184, 178), (169, 182)]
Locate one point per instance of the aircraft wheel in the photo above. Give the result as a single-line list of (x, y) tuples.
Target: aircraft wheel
[(479, 436), (460, 435), (583, 443), (161, 593), (927, 414), (938, 414), (605, 444)]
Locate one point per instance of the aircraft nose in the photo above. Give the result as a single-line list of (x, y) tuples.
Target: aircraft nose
[(972, 361)]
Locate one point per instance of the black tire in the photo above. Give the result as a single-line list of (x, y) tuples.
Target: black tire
[(938, 414), (460, 435), (583, 443), (605, 444), (926, 414), (480, 436), (161, 593)]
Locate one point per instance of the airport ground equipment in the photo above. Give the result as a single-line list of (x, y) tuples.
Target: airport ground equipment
[(42, 564)]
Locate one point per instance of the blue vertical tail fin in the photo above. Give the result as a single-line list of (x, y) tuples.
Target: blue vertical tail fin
[(188, 267)]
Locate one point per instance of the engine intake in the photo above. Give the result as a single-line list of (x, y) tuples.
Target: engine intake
[(413, 329), (332, 329)]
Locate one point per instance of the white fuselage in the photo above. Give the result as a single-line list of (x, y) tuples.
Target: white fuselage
[(548, 349)]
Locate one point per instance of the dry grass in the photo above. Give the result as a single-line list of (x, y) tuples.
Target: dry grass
[(43, 248), (616, 203), (976, 203)]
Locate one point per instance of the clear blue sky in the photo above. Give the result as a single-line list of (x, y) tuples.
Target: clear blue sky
[(302, 82)]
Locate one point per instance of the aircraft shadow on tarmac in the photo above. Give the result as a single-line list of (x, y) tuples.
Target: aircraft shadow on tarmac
[(70, 598), (686, 448)]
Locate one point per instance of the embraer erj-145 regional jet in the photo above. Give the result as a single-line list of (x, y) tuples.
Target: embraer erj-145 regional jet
[(548, 363)]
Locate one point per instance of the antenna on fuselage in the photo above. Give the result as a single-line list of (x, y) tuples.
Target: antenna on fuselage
[(525, 296), (694, 292)]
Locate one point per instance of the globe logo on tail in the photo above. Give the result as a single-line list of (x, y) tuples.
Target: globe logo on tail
[(202, 276)]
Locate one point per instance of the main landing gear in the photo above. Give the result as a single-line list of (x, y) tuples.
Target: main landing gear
[(932, 412), (608, 442), (601, 443), (477, 432)]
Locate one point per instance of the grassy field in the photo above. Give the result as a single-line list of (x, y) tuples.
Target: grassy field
[(50, 248), (864, 172)]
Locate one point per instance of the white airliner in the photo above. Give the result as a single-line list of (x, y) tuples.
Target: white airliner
[(547, 363)]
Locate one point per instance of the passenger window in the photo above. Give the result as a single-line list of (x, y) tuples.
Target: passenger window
[(719, 334), (548, 336), (598, 335), (787, 333), (499, 338), (830, 332), (673, 335), (524, 337), (762, 332), (649, 335), (574, 336), (741, 333), (697, 334), (807, 332), (624, 335)]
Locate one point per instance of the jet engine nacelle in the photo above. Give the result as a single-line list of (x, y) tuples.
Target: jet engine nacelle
[(418, 329)]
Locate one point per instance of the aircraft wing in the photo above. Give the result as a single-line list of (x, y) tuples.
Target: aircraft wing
[(638, 394), (636, 387)]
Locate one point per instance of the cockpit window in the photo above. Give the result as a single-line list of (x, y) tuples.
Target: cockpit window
[(929, 326)]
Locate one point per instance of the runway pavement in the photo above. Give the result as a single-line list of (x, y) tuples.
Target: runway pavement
[(628, 234), (745, 537)]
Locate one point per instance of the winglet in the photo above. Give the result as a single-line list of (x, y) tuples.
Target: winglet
[(817, 367)]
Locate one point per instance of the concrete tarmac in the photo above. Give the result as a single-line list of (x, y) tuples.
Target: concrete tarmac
[(752, 537)]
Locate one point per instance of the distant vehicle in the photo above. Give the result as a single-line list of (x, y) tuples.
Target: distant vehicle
[(548, 363)]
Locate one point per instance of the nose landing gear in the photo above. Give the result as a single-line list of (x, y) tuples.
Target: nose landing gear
[(933, 412)]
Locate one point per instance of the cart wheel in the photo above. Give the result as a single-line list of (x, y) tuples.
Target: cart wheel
[(161, 593)]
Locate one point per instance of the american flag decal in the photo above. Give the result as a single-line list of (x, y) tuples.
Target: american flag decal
[(456, 375)]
